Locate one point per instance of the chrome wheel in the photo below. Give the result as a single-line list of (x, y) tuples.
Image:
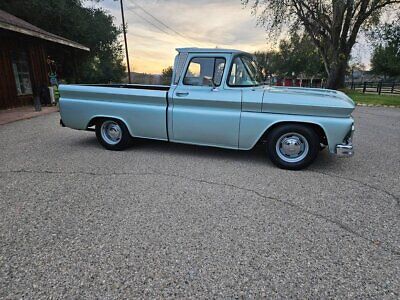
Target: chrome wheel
[(111, 132), (292, 147)]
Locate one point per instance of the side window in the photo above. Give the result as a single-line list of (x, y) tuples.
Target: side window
[(202, 69), (239, 75)]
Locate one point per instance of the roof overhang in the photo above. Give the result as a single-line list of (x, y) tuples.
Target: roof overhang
[(40, 35)]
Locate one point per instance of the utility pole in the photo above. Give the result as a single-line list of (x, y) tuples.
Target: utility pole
[(126, 42)]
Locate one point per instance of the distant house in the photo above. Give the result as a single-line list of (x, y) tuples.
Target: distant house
[(24, 67), (358, 75)]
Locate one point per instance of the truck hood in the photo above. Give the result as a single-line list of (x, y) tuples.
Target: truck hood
[(307, 101)]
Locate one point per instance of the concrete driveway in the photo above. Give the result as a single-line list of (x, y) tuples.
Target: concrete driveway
[(175, 221)]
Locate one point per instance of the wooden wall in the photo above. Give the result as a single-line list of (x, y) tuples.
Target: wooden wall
[(36, 51)]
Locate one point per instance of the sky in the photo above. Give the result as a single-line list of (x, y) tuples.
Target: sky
[(192, 23)]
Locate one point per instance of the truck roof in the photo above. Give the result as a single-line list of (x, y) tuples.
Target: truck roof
[(208, 50)]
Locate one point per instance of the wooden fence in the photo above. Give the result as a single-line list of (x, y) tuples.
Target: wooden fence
[(378, 87)]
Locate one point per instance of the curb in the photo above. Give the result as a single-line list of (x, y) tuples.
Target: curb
[(377, 105)]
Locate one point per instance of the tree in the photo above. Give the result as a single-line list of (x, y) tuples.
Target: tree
[(267, 63), (386, 55), (296, 55), (385, 61), (332, 25), (92, 27), (166, 75), (300, 56)]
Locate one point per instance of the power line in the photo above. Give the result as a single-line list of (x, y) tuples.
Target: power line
[(187, 39), (161, 22), (148, 21), (151, 23)]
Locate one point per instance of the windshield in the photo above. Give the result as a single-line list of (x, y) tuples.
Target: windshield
[(244, 72)]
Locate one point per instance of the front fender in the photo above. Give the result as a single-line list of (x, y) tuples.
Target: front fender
[(254, 125)]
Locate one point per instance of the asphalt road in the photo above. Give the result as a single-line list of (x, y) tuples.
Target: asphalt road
[(175, 221)]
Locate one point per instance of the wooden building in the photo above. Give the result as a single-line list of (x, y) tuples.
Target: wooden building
[(24, 69)]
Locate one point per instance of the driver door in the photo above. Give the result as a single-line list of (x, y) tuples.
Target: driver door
[(203, 111)]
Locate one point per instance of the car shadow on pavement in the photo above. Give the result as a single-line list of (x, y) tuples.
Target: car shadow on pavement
[(256, 155)]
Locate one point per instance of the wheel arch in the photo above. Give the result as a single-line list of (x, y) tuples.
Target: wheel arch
[(318, 128), (96, 119)]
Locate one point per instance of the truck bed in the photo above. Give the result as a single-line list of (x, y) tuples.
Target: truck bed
[(143, 108)]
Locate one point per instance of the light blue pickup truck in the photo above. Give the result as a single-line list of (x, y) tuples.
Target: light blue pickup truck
[(216, 99)]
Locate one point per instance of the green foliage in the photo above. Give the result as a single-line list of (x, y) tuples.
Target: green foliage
[(166, 75), (92, 27), (300, 56), (385, 61), (267, 63), (386, 55), (296, 55), (332, 25)]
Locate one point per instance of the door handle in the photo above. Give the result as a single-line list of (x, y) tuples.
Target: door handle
[(182, 94)]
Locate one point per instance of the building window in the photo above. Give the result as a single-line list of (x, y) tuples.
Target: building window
[(20, 65)]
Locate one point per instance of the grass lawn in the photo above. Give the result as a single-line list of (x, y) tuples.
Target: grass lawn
[(367, 98)]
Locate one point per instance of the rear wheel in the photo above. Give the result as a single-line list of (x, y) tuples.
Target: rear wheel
[(293, 146), (113, 134)]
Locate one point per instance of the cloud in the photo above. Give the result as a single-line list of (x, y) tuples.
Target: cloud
[(203, 23)]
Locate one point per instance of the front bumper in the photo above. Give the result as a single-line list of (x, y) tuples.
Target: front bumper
[(346, 149)]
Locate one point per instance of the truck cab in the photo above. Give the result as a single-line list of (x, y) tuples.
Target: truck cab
[(207, 93)]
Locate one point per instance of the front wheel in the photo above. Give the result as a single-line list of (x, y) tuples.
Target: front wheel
[(113, 134), (293, 146)]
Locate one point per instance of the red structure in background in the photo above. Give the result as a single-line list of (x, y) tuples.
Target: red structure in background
[(307, 82)]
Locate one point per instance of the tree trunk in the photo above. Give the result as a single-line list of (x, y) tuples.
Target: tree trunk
[(336, 78)]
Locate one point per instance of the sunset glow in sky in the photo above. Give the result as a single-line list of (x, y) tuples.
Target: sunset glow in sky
[(203, 23)]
